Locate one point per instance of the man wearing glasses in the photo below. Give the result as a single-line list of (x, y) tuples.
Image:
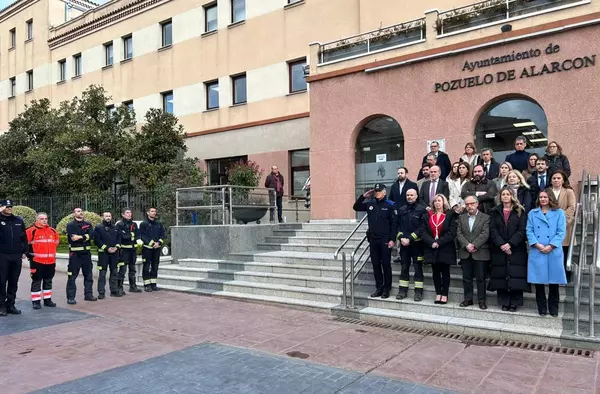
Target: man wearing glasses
[(519, 159)]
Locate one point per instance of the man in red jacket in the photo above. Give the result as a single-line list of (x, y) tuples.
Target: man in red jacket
[(275, 181), (43, 241)]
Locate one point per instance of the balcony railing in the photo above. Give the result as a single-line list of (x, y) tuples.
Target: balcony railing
[(491, 11), (399, 35)]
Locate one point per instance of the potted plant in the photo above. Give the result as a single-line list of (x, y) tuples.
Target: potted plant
[(247, 206)]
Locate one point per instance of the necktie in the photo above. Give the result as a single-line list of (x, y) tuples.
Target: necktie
[(542, 182), (432, 191)]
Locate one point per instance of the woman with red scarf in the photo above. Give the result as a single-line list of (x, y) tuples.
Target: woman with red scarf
[(438, 237)]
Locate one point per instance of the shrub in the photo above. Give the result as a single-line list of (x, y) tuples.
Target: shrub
[(91, 217), (27, 214)]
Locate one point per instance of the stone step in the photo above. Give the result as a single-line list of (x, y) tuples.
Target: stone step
[(584, 323), (289, 257), (319, 233), (292, 247), (311, 240), (341, 227)]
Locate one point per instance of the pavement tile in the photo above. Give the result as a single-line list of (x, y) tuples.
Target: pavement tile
[(506, 385), (520, 366)]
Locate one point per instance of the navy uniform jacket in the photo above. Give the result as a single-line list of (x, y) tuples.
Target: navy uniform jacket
[(151, 231), (129, 232), (381, 215), (13, 239), (82, 228), (410, 221), (106, 236)]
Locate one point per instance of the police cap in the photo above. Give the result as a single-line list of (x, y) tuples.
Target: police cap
[(6, 203), (379, 187)]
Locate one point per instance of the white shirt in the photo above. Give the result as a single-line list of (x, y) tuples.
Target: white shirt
[(472, 221)]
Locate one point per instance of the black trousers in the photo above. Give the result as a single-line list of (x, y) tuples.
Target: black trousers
[(41, 278), (127, 261), (551, 303), (150, 260), (382, 267), (474, 269), (441, 278), (278, 201), (566, 256), (80, 261), (107, 262), (10, 270), (510, 297), (411, 254)]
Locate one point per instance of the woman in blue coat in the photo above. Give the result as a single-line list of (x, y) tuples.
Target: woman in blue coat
[(546, 229)]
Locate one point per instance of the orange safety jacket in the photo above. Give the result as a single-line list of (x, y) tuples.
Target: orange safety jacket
[(43, 241)]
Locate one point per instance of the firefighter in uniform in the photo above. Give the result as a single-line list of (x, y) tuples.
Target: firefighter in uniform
[(410, 219), (43, 241), (152, 233), (108, 240), (80, 258), (129, 238), (13, 248), (381, 216)]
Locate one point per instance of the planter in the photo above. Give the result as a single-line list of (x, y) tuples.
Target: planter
[(247, 215), (524, 8)]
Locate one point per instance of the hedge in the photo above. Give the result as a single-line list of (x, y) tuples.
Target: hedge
[(91, 217), (27, 214)]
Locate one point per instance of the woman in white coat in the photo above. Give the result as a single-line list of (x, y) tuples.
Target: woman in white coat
[(456, 184), (546, 230)]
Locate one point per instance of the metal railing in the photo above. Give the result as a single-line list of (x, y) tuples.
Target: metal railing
[(231, 204), (344, 263)]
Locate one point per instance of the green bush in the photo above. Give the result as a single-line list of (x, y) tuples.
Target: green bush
[(91, 217), (27, 214)]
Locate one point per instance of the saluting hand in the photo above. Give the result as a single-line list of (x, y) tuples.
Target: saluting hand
[(368, 193)]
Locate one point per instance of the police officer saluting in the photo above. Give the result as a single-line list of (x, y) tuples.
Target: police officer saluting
[(107, 238), (130, 236), (13, 247), (381, 216), (152, 233), (79, 235)]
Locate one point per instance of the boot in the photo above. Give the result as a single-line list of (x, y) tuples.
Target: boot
[(402, 293), (147, 288), (101, 296), (154, 287), (71, 301), (12, 310), (90, 298), (115, 294), (2, 311), (133, 287), (121, 291), (36, 304), (418, 295), (48, 302)]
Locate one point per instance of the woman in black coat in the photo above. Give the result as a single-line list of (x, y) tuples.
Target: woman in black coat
[(508, 274), (556, 159), (438, 233)]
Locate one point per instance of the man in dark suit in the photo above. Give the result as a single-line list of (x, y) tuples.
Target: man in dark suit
[(540, 179), (441, 160), (473, 233), (400, 186), (491, 167), (433, 186), (481, 187)]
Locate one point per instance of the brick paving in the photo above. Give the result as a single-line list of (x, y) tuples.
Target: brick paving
[(220, 345)]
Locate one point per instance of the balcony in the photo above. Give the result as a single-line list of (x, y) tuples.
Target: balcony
[(396, 36)]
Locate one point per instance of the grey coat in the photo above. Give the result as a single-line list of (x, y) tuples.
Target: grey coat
[(479, 237)]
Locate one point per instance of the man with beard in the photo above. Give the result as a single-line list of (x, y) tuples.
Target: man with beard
[(410, 219), (108, 238), (130, 237), (484, 189), (79, 234), (425, 171), (400, 187), (441, 160)]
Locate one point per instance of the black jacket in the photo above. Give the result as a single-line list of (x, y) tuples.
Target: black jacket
[(443, 161), (558, 162), (271, 183), (82, 228), (441, 188), (107, 235), (410, 221), (508, 272), (524, 197), (494, 171), (399, 196), (129, 232), (151, 231), (534, 184), (13, 239), (446, 252), (381, 215), (486, 201)]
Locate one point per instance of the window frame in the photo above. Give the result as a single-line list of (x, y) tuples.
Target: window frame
[(163, 24), (234, 79), (109, 46), (62, 70), (164, 96), (207, 86), (291, 65), (124, 40), (294, 169), (13, 38), (207, 8), (13, 86), (29, 74), (29, 25), (233, 20), (77, 65)]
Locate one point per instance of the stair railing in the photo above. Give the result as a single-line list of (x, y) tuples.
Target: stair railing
[(335, 256), (578, 266), (354, 262), (593, 267)]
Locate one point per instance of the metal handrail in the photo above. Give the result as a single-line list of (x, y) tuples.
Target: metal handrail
[(335, 255), (592, 270), (572, 240), (579, 265)]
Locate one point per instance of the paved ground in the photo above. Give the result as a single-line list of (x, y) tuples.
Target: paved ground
[(171, 342)]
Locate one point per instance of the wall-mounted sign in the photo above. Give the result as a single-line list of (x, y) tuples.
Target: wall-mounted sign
[(441, 141), (382, 158)]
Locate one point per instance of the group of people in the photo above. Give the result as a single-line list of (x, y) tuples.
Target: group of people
[(508, 222), (115, 242)]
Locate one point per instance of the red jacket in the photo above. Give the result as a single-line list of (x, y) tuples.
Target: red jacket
[(43, 241)]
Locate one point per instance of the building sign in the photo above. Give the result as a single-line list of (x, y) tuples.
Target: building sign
[(564, 65), (382, 158)]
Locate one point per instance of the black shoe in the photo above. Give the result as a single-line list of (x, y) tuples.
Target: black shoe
[(115, 294), (147, 288), (553, 314), (386, 294), (90, 298), (542, 314), (2, 311), (402, 293), (482, 305), (154, 287), (48, 302), (12, 310), (505, 308), (134, 289), (37, 304), (102, 296), (418, 295), (71, 301), (465, 304), (378, 293), (512, 308), (121, 293)]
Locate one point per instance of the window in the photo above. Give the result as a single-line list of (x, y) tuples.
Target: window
[(76, 65), (239, 89), (210, 17), (29, 80), (300, 171), (13, 38), (111, 110), (62, 70), (127, 47), (13, 87), (167, 99), (167, 33), (30, 29), (212, 95), (297, 79), (108, 54), (129, 105), (238, 10), (217, 169)]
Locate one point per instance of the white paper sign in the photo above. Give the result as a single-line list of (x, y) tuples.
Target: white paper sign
[(382, 158), (441, 141)]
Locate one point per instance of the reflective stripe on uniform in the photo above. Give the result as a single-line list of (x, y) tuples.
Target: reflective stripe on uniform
[(420, 258), (120, 264), (161, 241), (146, 282), (399, 235), (404, 283), (153, 281), (69, 273), (79, 248), (99, 268), (36, 295), (87, 237), (103, 248), (126, 246), (47, 294), (148, 247), (132, 235), (418, 285)]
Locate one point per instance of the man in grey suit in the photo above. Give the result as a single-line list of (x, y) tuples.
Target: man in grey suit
[(433, 186), (473, 234)]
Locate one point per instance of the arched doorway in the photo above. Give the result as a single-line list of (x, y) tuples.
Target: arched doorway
[(504, 120), (379, 152)]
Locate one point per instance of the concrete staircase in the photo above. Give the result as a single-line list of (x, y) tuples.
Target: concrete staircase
[(295, 267)]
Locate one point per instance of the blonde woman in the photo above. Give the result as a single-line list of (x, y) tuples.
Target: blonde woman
[(456, 184), (470, 157), (562, 190), (505, 167), (520, 189)]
